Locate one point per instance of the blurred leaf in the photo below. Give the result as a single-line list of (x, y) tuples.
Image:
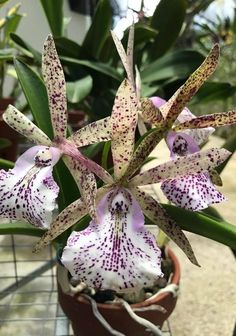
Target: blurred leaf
[(2, 2), (230, 145), (148, 90), (100, 67), (105, 154), (20, 228), (98, 31), (143, 33), (6, 54), (78, 90), (212, 91), (176, 64), (6, 164), (11, 25), (167, 19), (53, 10), (36, 95), (204, 225), (67, 47), (26, 47), (4, 143)]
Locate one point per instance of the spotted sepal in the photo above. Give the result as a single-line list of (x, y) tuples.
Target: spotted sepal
[(123, 125), (182, 166), (56, 88), (184, 94), (153, 210), (97, 131), (23, 125)]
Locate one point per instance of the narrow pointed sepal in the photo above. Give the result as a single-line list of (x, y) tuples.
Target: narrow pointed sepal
[(142, 152), (126, 59), (97, 131), (86, 182), (23, 125), (28, 191), (154, 211), (56, 87), (123, 125), (193, 192), (68, 217), (117, 252), (184, 94), (210, 120), (182, 166)]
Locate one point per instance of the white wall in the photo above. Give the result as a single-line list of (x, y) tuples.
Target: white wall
[(34, 27)]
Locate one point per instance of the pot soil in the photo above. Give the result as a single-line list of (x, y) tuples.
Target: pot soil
[(11, 151), (84, 323)]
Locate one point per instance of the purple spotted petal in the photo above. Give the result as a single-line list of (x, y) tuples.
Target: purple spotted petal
[(192, 192), (123, 125), (28, 191), (115, 253), (200, 135), (23, 125), (181, 144), (56, 88), (97, 131)]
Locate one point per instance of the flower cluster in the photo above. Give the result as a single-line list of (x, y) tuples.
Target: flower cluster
[(115, 251)]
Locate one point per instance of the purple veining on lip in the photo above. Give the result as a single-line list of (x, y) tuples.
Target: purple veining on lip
[(192, 192), (28, 191), (114, 253)]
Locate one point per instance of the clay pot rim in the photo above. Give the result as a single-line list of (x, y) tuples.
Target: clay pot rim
[(175, 279)]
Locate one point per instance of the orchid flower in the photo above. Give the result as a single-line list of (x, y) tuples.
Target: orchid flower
[(116, 251), (194, 191), (25, 177)]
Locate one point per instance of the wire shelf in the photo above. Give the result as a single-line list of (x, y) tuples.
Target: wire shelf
[(28, 291)]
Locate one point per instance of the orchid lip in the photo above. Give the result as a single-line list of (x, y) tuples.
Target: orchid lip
[(28, 191), (114, 253)]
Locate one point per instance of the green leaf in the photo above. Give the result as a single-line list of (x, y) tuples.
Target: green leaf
[(167, 19), (36, 95), (78, 90), (212, 91), (6, 164), (12, 24), (6, 54), (4, 143), (175, 64), (100, 67), (98, 31), (2, 2), (20, 228), (26, 48), (67, 47), (204, 225), (53, 10)]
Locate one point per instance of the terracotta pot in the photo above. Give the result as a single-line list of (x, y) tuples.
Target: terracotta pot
[(10, 152), (84, 323)]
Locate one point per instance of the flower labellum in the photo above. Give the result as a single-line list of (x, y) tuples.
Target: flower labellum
[(117, 252), (193, 191), (28, 191)]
